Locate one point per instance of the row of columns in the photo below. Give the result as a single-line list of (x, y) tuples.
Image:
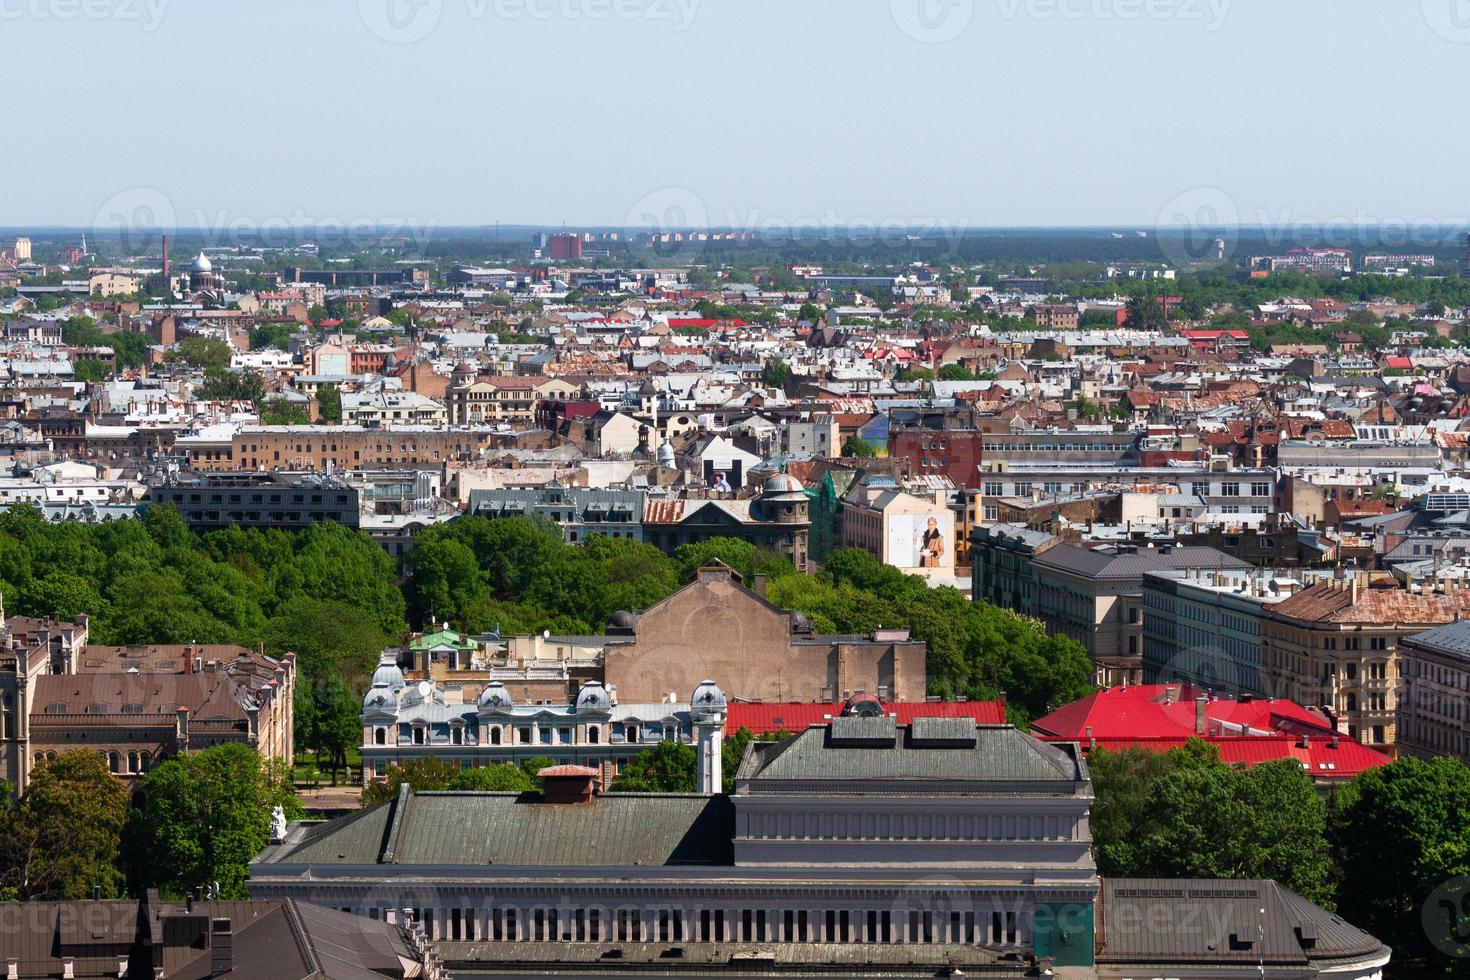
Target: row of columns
[(738, 925)]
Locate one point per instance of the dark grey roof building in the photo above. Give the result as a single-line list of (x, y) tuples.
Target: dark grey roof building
[(280, 940), (857, 848)]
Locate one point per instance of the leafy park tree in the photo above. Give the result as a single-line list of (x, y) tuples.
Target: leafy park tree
[(426, 775), (1195, 817), (202, 352), (221, 384), (89, 370), (1122, 782), (282, 411), (329, 637), (329, 404), (203, 816), (61, 840), (666, 768), (775, 373), (328, 721), (501, 778), (1400, 834), (272, 335)]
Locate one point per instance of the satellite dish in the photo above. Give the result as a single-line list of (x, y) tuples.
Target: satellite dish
[(546, 634), (425, 687)]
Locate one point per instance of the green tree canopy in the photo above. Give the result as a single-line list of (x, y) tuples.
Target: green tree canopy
[(202, 352), (1400, 833), (203, 816), (62, 839), (666, 768)]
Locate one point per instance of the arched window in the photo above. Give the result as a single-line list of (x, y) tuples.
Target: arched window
[(495, 735), (114, 762), (133, 762), (594, 735), (380, 736), (144, 762), (418, 735)]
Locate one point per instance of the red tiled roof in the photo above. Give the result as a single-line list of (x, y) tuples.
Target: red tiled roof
[(1320, 759), (707, 324), (766, 717), (1142, 711)]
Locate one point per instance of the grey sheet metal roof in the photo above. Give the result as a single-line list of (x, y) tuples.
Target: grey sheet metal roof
[(1218, 922), (520, 830), (1452, 639), (999, 754), (1133, 565)]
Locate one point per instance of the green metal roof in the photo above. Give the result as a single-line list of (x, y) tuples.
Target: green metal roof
[(520, 829), (998, 754)]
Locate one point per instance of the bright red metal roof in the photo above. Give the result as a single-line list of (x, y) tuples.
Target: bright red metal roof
[(1320, 759), (1169, 711)]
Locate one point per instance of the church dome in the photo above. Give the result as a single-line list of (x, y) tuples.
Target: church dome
[(380, 697), (202, 264), (495, 696), (784, 485), (388, 675), (707, 702), (593, 697)]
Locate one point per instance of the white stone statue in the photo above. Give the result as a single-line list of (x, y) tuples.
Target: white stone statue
[(278, 824)]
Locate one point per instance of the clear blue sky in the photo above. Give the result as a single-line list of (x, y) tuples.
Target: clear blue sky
[(1039, 112)]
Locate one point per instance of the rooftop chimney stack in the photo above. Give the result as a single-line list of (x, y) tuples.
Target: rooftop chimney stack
[(221, 948)]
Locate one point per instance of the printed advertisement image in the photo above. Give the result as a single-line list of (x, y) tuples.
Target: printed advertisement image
[(921, 542)]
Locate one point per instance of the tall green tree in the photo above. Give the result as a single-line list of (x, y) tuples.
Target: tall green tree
[(426, 775), (1401, 836), (329, 404), (502, 778), (62, 840), (1199, 818), (668, 767), (330, 724), (203, 816)]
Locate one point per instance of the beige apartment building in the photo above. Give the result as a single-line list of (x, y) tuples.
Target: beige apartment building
[(134, 706), (316, 448), (475, 400), (1435, 692), (1335, 645)]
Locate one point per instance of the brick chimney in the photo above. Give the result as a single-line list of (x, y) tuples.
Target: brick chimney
[(1201, 704), (221, 948), (569, 784)]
